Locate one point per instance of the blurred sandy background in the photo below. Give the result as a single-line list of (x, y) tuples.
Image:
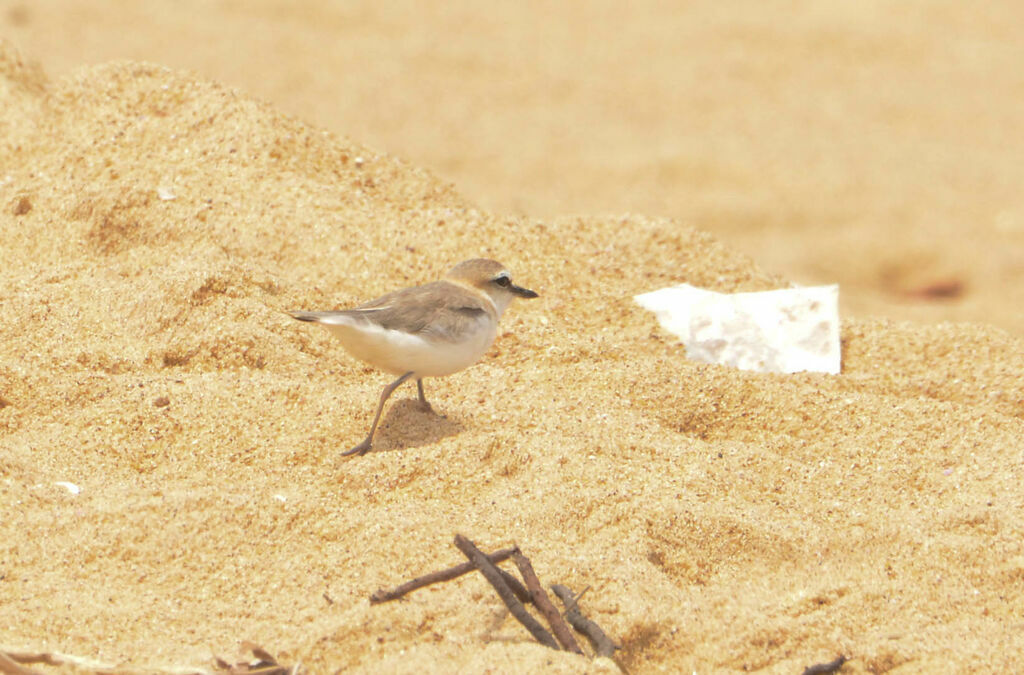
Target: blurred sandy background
[(175, 175), (875, 144)]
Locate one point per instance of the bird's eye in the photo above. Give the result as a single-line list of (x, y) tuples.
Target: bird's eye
[(502, 281)]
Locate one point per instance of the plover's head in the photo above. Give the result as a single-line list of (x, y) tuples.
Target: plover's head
[(492, 278)]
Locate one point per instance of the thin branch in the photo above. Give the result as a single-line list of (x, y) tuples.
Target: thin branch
[(543, 603), (435, 577), (516, 586), (826, 668), (493, 576), (9, 666), (603, 645)]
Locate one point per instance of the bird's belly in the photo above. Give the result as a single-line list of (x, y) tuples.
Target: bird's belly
[(398, 353)]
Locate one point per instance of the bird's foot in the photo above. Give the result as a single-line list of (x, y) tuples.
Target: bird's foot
[(360, 449)]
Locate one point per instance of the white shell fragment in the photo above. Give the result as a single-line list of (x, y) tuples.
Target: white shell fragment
[(783, 331), (165, 193), (70, 487)]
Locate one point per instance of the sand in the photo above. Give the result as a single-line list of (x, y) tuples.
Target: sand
[(157, 223), (859, 143)]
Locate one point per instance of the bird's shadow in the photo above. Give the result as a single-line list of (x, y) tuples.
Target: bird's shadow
[(407, 425)]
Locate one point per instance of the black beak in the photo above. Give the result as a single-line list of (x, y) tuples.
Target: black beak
[(522, 292)]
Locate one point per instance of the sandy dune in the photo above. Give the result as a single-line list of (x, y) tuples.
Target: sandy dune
[(862, 143), (156, 225)]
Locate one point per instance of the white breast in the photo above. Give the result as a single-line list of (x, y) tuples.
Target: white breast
[(399, 353)]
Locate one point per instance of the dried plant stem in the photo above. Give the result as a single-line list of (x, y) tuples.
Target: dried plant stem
[(435, 577), (603, 645), (541, 600), (825, 668), (494, 577)]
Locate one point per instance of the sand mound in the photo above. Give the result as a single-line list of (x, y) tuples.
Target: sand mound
[(155, 227)]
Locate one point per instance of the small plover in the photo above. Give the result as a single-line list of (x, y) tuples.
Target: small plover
[(431, 330)]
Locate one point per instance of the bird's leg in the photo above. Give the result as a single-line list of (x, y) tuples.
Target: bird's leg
[(423, 399), (364, 447)]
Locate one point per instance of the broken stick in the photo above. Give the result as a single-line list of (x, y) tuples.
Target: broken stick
[(494, 577), (825, 668), (541, 600), (515, 585), (9, 666), (603, 644), (436, 577)]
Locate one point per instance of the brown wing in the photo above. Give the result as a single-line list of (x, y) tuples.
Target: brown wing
[(439, 308)]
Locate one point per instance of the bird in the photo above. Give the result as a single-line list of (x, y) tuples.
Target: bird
[(431, 330)]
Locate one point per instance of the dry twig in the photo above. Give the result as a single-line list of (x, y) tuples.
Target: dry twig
[(494, 577), (516, 586), (543, 603), (826, 668), (603, 644), (9, 665), (435, 577), (265, 664)]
